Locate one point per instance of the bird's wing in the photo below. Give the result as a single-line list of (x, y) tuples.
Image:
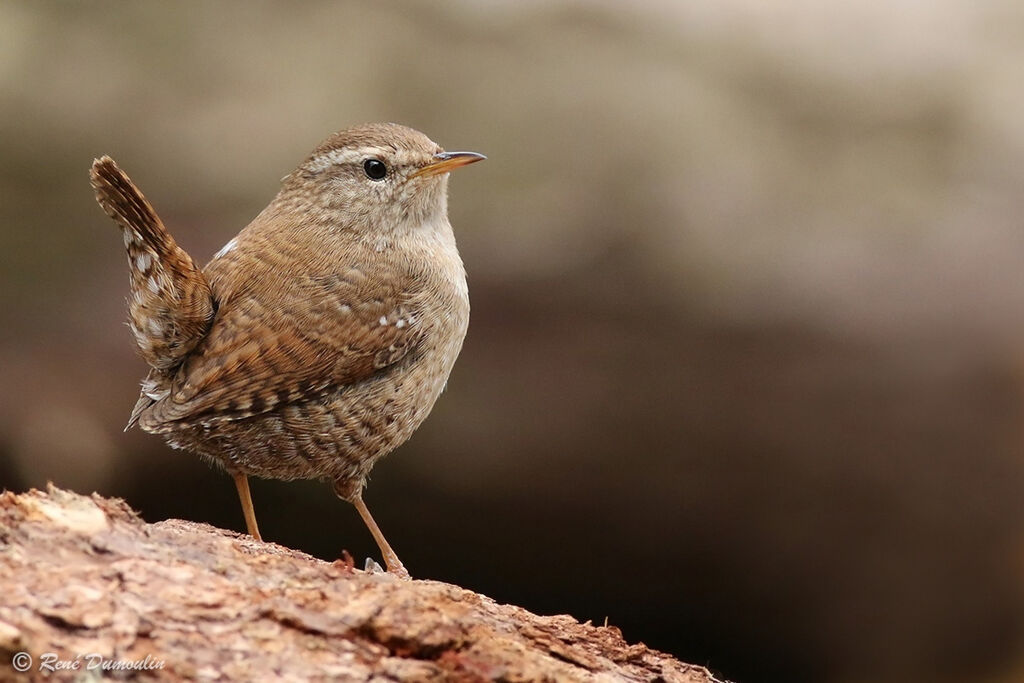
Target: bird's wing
[(322, 333), (171, 303)]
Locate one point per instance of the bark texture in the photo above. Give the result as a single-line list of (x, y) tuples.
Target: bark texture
[(87, 587)]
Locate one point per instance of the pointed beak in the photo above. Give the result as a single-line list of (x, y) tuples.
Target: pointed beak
[(448, 161)]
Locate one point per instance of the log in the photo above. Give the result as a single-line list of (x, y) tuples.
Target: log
[(87, 587)]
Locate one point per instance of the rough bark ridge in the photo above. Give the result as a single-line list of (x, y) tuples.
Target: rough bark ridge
[(83, 576)]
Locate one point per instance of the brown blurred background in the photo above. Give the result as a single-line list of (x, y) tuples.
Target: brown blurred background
[(744, 373)]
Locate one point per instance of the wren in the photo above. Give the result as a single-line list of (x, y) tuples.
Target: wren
[(318, 339)]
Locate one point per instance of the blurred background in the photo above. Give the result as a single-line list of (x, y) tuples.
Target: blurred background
[(745, 372)]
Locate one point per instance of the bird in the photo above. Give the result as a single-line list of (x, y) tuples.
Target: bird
[(317, 340)]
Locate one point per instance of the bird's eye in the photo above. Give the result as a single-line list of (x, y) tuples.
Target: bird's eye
[(375, 169)]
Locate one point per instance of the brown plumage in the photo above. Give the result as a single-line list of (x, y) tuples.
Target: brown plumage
[(319, 338)]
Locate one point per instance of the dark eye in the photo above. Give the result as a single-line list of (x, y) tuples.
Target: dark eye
[(375, 169)]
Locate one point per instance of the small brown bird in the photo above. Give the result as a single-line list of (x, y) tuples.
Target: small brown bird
[(318, 339)]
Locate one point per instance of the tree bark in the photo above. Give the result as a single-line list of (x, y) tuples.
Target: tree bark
[(87, 586)]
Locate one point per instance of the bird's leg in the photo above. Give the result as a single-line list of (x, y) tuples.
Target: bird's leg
[(242, 484), (394, 565)]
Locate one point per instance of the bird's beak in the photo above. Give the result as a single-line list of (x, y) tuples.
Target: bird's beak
[(448, 161)]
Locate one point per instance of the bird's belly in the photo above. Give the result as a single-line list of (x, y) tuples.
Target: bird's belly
[(337, 435)]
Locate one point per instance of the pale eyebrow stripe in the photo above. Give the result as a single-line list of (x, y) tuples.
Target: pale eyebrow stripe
[(336, 157)]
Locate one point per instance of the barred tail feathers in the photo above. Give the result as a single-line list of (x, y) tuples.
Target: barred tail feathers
[(171, 304)]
